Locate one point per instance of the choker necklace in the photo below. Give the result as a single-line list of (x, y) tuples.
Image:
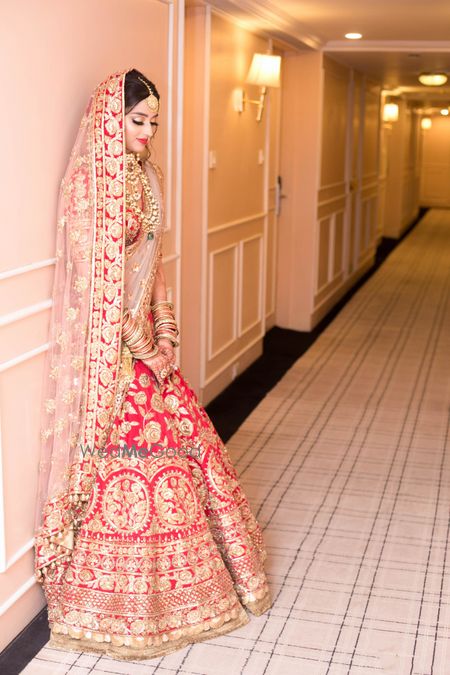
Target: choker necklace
[(149, 216)]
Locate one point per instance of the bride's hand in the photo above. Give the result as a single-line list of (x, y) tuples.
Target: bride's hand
[(169, 353), (166, 347), (161, 365)]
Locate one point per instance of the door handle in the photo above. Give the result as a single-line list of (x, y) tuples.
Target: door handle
[(278, 195)]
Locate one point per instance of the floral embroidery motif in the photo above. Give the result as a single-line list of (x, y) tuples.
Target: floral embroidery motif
[(175, 501), (126, 502)]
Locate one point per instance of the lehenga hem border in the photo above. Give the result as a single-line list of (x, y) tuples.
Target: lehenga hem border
[(66, 642), (258, 607)]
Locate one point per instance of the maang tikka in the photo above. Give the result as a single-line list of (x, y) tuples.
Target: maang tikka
[(151, 99)]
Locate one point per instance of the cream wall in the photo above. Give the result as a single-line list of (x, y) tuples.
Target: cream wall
[(329, 162), (400, 143), (229, 224), (435, 164), (54, 54)]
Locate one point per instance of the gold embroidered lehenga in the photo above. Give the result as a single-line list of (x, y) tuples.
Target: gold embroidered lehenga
[(138, 555)]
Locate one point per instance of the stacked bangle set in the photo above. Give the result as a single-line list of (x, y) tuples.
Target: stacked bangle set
[(164, 322), (144, 346)]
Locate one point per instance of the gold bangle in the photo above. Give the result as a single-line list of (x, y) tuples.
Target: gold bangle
[(165, 324), (166, 329), (137, 338), (139, 342), (174, 342), (163, 319), (163, 307), (138, 345), (163, 303), (146, 355), (142, 345), (167, 316), (130, 331)]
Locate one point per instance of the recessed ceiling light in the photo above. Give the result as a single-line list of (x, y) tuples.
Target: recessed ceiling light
[(353, 36), (444, 112), (433, 79)]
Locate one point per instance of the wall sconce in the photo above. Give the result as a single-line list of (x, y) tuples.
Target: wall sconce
[(264, 72), (390, 112), (425, 123)]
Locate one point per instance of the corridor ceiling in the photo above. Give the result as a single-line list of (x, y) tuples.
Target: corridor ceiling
[(401, 38)]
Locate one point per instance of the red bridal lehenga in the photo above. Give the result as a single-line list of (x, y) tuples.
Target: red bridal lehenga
[(139, 553)]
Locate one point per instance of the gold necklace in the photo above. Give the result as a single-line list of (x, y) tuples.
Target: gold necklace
[(149, 216)]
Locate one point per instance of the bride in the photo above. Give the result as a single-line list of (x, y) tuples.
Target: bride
[(144, 539)]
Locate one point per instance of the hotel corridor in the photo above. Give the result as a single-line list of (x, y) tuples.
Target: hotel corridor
[(345, 464), (300, 198)]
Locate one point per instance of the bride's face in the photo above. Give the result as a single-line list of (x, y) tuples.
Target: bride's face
[(140, 125)]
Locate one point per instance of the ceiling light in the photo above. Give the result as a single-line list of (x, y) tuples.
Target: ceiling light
[(444, 112), (433, 79), (353, 36), (425, 123)]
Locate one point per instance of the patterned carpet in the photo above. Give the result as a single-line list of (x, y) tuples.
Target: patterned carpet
[(345, 465)]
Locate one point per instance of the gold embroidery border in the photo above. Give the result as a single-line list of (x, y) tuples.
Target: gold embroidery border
[(108, 105), (165, 644), (258, 607)]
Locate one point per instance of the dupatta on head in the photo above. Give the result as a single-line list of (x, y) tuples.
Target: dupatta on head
[(96, 279)]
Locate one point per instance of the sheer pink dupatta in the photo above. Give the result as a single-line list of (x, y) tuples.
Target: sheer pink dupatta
[(84, 358)]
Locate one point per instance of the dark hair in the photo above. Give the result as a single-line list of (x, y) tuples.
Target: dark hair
[(135, 90)]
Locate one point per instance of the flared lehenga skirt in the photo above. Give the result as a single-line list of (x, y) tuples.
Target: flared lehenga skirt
[(168, 552)]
